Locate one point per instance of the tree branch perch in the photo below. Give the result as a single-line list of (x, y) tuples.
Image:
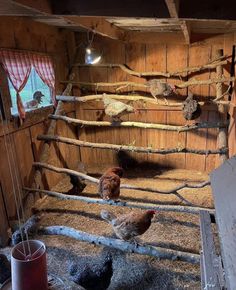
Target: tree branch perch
[(133, 98), (75, 121), (129, 148), (124, 186), (147, 206), (158, 252), (182, 72)]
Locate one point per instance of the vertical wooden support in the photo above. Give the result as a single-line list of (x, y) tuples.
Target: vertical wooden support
[(222, 135), (37, 181), (4, 224), (6, 96), (46, 146)]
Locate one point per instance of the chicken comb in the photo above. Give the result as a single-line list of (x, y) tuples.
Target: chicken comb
[(152, 211)]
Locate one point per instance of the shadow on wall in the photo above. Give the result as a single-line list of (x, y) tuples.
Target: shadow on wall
[(126, 161)]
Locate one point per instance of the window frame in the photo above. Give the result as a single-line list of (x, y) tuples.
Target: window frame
[(38, 114)]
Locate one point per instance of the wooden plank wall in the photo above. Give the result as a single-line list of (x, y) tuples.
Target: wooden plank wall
[(24, 34), (153, 57)]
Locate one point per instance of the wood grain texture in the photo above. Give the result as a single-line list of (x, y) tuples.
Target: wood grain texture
[(115, 52), (223, 185), (24, 157), (24, 34), (4, 225), (136, 58), (156, 59), (5, 177), (177, 58), (198, 55), (211, 141), (209, 258), (152, 57)]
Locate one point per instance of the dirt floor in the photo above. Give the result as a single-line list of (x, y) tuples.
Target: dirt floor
[(169, 230)]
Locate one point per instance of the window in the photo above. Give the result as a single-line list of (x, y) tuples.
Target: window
[(31, 80), (35, 94)]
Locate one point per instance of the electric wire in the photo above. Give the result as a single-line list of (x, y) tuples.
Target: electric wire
[(17, 197)]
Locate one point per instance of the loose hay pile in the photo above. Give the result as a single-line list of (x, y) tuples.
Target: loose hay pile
[(131, 271)]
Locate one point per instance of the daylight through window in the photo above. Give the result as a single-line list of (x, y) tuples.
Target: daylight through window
[(35, 94)]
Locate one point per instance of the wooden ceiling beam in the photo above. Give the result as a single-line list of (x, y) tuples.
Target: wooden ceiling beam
[(173, 7), (97, 24), (186, 31), (155, 37), (36, 6)]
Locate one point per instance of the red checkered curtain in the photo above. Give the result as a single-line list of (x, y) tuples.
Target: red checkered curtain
[(17, 66), (44, 67)]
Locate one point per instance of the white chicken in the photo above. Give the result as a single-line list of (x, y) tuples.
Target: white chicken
[(115, 109)]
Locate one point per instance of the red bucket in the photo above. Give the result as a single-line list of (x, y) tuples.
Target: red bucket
[(29, 266)]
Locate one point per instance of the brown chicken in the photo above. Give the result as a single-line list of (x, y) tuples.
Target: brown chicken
[(115, 109), (128, 226), (109, 183), (158, 88)]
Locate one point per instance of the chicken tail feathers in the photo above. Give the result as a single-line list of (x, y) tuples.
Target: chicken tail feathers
[(107, 215)]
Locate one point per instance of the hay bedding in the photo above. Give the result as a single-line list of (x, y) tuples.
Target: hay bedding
[(131, 271)]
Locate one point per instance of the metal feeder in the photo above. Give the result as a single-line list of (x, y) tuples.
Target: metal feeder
[(29, 266)]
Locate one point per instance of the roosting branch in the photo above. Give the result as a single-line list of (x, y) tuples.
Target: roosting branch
[(138, 124), (133, 98), (170, 191), (157, 252), (223, 132), (103, 84), (129, 148), (147, 206), (182, 72), (125, 186), (66, 171), (194, 82)]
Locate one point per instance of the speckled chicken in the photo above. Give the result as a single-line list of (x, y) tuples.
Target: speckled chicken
[(5, 268), (115, 109), (158, 88), (93, 277), (30, 228), (128, 226), (191, 108), (109, 183)]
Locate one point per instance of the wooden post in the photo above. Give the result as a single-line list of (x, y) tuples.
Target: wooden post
[(222, 136), (45, 151), (37, 180)]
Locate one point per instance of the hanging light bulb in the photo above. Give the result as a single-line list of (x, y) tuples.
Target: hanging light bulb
[(92, 56)]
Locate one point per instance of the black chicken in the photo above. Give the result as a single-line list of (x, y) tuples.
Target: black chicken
[(5, 268), (191, 108), (78, 185), (94, 277)]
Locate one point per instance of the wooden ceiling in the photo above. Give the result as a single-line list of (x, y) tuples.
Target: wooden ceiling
[(132, 20)]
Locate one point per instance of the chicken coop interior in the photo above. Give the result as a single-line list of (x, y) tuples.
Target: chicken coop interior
[(117, 144)]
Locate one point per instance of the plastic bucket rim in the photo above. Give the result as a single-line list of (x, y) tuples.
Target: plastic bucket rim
[(27, 261)]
